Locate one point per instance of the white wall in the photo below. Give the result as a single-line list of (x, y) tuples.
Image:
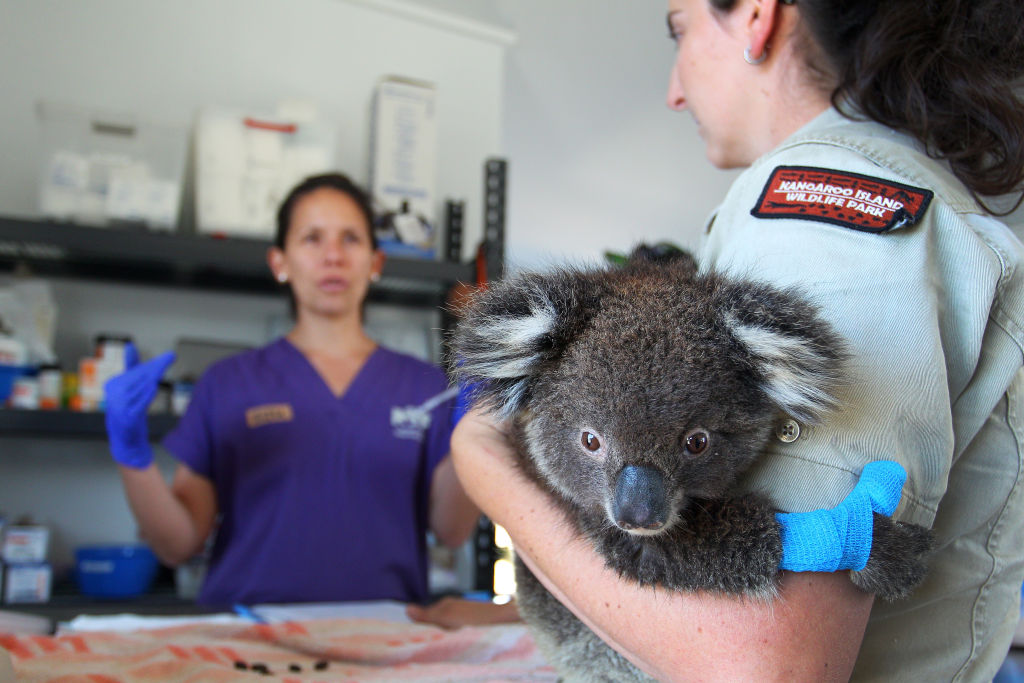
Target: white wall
[(597, 159)]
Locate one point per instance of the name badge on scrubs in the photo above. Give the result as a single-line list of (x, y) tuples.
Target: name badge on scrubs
[(271, 413)]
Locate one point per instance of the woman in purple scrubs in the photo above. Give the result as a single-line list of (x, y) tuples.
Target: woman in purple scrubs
[(318, 462)]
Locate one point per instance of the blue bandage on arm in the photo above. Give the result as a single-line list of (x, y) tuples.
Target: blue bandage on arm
[(463, 402), (840, 538)]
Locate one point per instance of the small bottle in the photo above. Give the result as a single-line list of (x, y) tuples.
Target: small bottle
[(181, 396), (69, 394), (111, 348), (51, 387), (161, 404), (90, 389), (25, 393)]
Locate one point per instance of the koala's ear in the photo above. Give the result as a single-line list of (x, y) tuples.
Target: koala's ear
[(796, 356), (514, 329)]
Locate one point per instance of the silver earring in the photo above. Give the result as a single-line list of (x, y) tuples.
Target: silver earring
[(282, 278), (374, 277), (750, 60)]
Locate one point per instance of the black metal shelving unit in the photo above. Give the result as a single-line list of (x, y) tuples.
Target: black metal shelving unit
[(72, 425), (137, 255)]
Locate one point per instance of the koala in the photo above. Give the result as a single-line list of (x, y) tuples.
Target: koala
[(637, 397)]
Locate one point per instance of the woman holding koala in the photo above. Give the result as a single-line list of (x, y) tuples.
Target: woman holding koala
[(878, 139)]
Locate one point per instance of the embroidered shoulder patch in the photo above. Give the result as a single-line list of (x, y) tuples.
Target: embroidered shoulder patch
[(851, 200), (270, 413)]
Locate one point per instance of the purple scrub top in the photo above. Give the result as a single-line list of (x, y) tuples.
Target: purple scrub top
[(321, 498)]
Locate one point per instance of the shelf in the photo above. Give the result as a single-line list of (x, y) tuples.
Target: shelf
[(66, 603), (67, 424), (139, 255)]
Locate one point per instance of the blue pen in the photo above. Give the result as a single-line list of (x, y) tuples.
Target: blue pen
[(246, 613)]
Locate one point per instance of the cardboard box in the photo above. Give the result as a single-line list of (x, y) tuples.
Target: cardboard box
[(27, 582), (404, 164)]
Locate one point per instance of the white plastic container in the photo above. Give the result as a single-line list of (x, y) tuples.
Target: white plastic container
[(245, 165), (51, 387), (100, 167), (27, 582), (12, 351), (25, 393), (188, 578), (25, 544)]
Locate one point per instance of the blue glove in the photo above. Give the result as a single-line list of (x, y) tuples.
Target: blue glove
[(840, 538), (127, 398), (463, 402)]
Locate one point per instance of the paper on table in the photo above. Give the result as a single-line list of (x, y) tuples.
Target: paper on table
[(135, 622), (386, 610)]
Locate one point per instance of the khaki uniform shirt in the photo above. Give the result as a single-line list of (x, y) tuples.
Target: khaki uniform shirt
[(929, 292)]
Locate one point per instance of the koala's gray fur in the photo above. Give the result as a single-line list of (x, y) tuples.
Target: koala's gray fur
[(655, 361)]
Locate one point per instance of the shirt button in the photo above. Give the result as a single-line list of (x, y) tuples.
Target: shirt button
[(787, 431)]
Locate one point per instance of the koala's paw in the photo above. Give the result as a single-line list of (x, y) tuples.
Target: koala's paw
[(729, 546), (898, 561)]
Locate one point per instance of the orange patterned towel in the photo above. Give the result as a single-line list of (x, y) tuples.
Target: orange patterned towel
[(292, 652)]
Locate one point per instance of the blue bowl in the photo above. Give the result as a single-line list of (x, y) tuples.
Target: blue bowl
[(9, 373), (115, 571)]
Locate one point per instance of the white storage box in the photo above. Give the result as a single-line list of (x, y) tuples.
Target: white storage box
[(25, 543), (26, 583), (404, 164), (101, 167), (246, 164)]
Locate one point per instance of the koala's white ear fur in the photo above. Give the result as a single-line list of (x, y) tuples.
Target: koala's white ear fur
[(514, 341), (511, 331), (799, 374)]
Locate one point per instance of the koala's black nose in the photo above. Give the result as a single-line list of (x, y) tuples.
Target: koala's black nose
[(640, 498)]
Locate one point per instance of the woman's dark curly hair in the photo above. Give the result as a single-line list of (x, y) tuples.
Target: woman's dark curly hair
[(947, 72)]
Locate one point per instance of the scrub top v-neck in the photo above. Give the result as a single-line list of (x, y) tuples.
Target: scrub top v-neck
[(354, 387), (322, 497)]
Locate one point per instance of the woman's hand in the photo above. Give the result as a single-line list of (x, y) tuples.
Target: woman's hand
[(128, 396), (451, 612)]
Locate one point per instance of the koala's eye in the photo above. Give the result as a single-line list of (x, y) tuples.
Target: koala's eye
[(590, 441), (696, 441)]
